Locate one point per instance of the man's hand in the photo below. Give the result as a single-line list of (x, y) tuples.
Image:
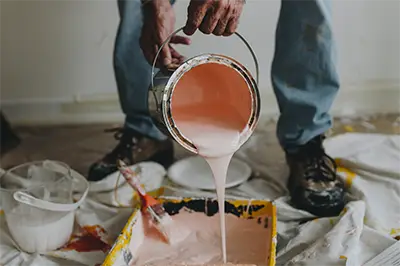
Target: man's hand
[(159, 22), (219, 17)]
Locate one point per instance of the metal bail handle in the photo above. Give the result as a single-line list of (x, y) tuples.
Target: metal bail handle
[(181, 29)]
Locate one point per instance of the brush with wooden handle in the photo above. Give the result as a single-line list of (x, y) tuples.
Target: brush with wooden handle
[(160, 218)]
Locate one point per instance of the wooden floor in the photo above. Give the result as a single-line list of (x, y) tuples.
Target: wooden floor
[(79, 146)]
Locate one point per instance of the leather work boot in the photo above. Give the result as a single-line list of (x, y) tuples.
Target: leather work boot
[(313, 183), (132, 148)]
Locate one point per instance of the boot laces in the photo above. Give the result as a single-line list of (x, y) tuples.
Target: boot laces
[(317, 164), (127, 143)]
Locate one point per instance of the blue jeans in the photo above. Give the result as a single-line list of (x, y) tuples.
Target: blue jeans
[(303, 71)]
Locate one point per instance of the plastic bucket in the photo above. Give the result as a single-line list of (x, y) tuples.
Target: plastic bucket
[(38, 205)]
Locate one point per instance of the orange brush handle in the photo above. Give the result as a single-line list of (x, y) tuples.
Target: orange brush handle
[(132, 178), (148, 201)]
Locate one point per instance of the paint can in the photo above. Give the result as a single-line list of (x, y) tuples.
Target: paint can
[(163, 85)]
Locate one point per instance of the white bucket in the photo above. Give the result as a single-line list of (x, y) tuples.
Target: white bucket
[(38, 207)]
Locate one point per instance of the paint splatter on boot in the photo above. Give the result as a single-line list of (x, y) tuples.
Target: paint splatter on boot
[(132, 148), (313, 183)]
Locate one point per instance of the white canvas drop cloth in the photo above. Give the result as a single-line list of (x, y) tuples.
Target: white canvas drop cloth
[(369, 165)]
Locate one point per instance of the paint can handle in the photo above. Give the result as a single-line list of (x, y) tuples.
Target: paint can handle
[(181, 29)]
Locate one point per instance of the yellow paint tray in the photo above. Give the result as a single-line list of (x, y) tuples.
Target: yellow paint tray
[(120, 254)]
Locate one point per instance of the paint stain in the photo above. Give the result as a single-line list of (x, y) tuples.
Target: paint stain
[(349, 176), (89, 240), (348, 128), (266, 223), (332, 222), (349, 179), (343, 211), (394, 231), (311, 35)]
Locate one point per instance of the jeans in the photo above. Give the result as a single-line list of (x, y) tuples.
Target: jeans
[(303, 71)]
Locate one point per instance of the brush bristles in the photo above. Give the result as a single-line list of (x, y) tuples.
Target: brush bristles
[(158, 209), (164, 223), (159, 214)]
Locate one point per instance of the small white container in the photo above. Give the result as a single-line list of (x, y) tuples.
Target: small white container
[(37, 201)]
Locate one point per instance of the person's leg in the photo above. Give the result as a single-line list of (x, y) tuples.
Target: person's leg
[(132, 71), (305, 82), (139, 140)]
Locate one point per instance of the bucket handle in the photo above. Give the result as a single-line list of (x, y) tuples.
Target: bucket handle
[(180, 29), (23, 197)]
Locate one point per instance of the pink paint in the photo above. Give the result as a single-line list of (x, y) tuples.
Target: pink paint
[(247, 238), (211, 106)]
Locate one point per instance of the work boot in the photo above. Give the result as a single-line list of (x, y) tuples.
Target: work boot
[(132, 148), (9, 139), (313, 183)]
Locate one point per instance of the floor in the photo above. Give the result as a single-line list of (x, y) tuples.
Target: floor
[(79, 146)]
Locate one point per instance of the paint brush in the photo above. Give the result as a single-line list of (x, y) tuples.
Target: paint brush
[(159, 217)]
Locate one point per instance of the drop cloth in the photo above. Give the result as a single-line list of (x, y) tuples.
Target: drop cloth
[(369, 165)]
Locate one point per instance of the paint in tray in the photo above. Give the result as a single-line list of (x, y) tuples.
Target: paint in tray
[(256, 220)]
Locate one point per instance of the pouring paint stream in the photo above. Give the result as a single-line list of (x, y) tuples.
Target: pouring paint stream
[(211, 106), (208, 144)]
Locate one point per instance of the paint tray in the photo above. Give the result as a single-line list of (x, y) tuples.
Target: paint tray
[(120, 253)]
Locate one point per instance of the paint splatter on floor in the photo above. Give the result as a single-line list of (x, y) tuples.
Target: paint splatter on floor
[(90, 239)]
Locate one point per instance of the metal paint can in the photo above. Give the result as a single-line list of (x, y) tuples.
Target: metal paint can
[(163, 85)]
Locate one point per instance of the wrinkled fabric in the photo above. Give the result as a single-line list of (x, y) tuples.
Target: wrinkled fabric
[(369, 166)]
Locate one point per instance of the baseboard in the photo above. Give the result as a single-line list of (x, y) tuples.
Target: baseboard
[(106, 109), (352, 101), (88, 110)]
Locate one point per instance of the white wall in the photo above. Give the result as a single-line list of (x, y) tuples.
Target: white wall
[(56, 63)]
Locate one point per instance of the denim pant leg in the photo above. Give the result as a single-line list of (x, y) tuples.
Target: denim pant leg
[(132, 71), (303, 72)]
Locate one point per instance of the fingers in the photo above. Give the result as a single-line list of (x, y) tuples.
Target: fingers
[(177, 39), (168, 55), (150, 49), (220, 17), (176, 61), (214, 14), (165, 55), (176, 57), (197, 10), (222, 23), (231, 27)]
